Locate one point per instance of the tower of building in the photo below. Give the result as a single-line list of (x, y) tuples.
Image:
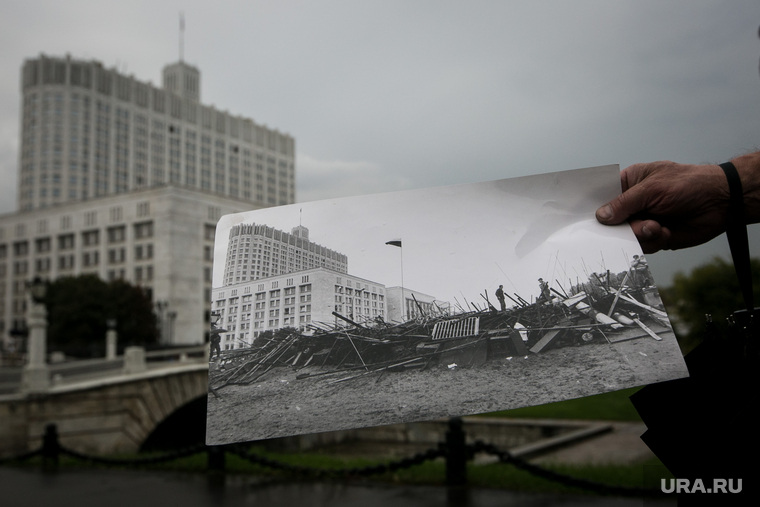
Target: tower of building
[(256, 251), (88, 131)]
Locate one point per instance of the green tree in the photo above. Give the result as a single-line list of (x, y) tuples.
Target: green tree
[(709, 289), (79, 308)]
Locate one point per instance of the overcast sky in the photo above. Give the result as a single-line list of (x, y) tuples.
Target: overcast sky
[(461, 241), (393, 95)]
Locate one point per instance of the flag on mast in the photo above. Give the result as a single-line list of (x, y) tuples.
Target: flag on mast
[(394, 242)]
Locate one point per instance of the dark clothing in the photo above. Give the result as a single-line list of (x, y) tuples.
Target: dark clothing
[(545, 294), (500, 297), (216, 341)]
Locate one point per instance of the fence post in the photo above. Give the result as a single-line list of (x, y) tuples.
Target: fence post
[(134, 360), (456, 458), (216, 461), (51, 447)]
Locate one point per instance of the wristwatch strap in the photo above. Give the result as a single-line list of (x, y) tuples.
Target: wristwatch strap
[(736, 232)]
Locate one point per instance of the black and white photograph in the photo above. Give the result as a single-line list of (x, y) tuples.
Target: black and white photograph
[(431, 303)]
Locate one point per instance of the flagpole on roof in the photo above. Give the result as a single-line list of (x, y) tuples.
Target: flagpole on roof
[(398, 243), (181, 36)]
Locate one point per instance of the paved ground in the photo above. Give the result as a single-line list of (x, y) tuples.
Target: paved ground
[(125, 488), (621, 445)]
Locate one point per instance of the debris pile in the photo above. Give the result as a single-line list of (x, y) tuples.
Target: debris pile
[(598, 311)]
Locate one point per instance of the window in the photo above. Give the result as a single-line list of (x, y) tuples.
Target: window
[(214, 213), (143, 209), (115, 214), (144, 230), (42, 265), (90, 238), (66, 262), (90, 218), (90, 258), (117, 234), (42, 245), (116, 255), (144, 251), (66, 242)]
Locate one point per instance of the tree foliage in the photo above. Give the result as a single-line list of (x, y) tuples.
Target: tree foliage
[(709, 289), (79, 307)]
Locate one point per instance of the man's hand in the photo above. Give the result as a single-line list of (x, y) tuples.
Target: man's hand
[(669, 205)]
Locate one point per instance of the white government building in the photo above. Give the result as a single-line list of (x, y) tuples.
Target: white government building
[(127, 180), (303, 300), (258, 251), (274, 279)]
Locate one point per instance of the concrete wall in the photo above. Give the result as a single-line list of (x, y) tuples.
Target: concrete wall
[(501, 432)]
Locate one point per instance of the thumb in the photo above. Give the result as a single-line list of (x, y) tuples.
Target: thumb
[(620, 208)]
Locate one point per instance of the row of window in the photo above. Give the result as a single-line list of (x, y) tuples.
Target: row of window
[(66, 242), (89, 259), (161, 101), (90, 219)]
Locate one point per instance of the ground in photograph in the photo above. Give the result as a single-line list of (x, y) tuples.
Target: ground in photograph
[(286, 402)]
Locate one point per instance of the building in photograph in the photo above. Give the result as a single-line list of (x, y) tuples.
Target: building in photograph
[(415, 304), (88, 131), (304, 300), (125, 179), (257, 251)]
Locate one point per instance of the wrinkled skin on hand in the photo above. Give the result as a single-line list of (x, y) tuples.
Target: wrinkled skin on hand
[(670, 205)]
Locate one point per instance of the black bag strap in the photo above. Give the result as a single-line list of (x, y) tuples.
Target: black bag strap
[(736, 232)]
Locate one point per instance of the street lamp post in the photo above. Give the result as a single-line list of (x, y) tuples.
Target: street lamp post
[(111, 339), (170, 318), (161, 307), (36, 376)]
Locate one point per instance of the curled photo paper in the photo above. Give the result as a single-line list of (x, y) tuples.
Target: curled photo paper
[(431, 303)]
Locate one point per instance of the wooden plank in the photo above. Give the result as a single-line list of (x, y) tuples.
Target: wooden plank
[(642, 305), (518, 343), (544, 341), (648, 331)]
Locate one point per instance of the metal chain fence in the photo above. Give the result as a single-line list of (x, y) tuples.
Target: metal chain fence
[(454, 450)]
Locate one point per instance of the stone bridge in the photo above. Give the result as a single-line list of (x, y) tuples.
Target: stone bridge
[(104, 413)]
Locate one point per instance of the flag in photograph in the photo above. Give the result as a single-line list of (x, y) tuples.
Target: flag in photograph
[(395, 242)]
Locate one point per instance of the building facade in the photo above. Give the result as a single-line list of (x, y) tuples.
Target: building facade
[(304, 300), (88, 132), (403, 304), (123, 179), (161, 239), (257, 251)]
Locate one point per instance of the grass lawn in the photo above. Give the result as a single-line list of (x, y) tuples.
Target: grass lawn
[(612, 406)]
